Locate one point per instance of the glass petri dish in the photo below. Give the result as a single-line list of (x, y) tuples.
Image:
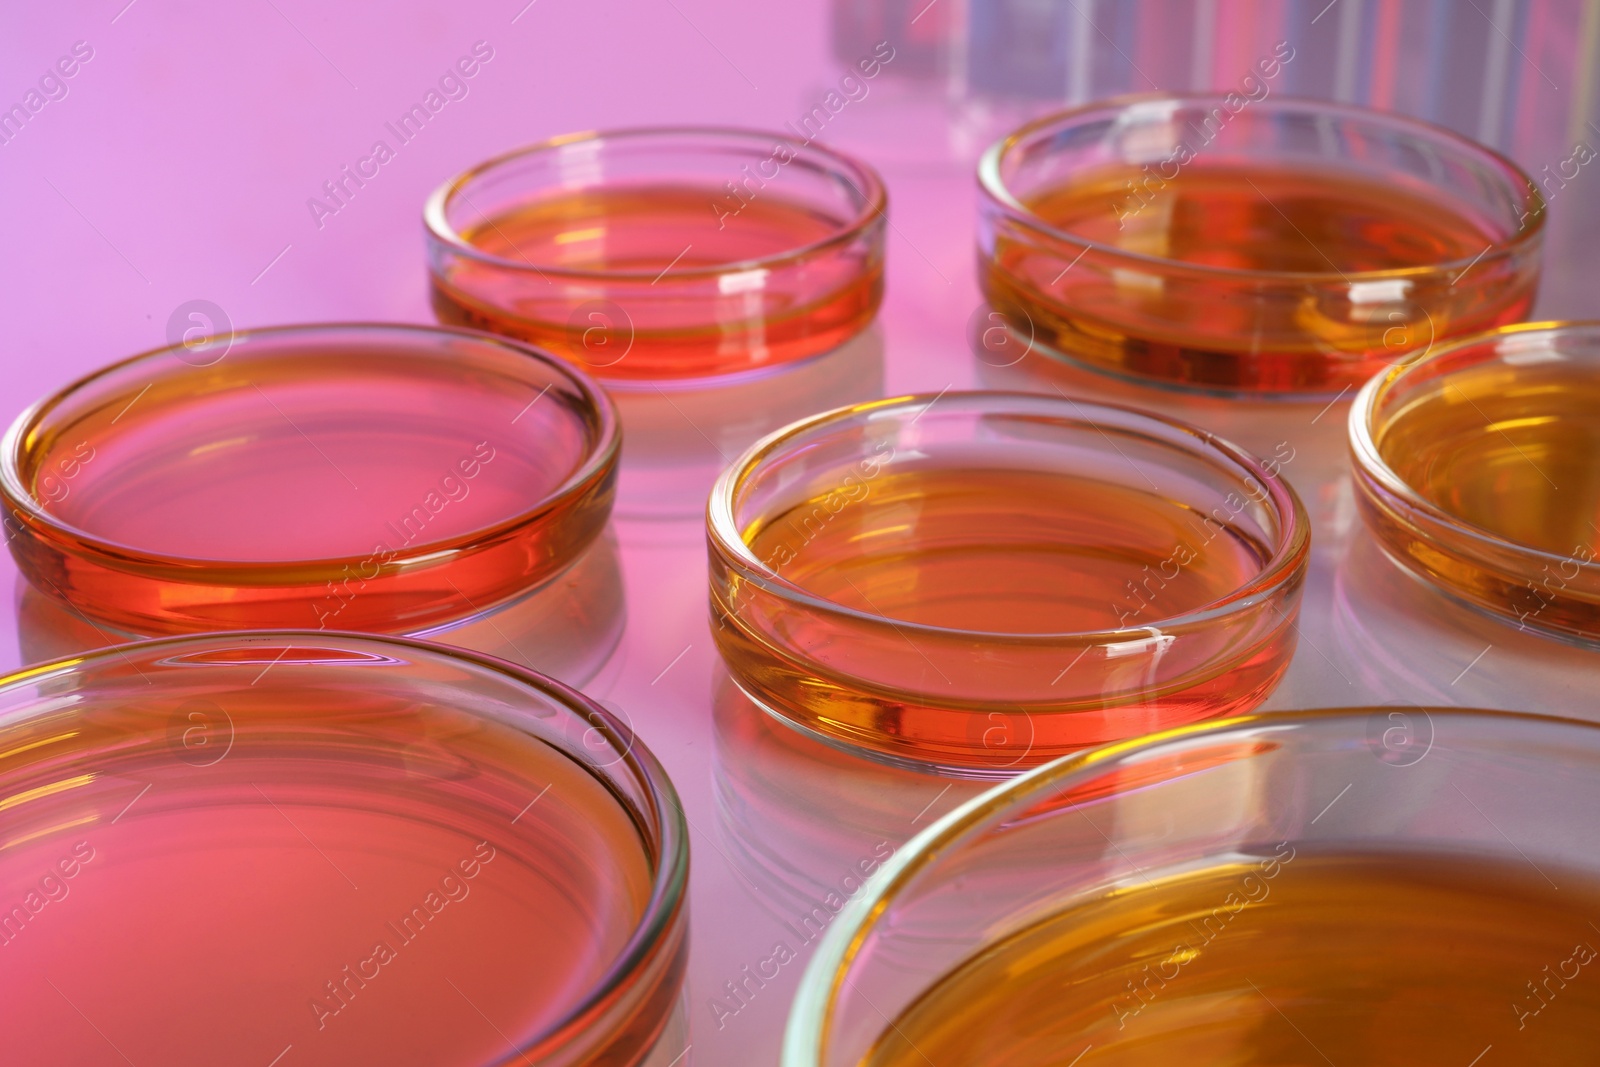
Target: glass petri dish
[(1269, 246), (980, 582), (1280, 888), (366, 477), (372, 850), (1475, 470), (649, 254)]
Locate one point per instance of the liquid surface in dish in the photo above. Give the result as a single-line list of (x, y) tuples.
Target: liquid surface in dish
[(1511, 449), (1263, 218), (302, 459), (1235, 331), (650, 229), (1361, 958), (331, 908), (1010, 551), (662, 322)]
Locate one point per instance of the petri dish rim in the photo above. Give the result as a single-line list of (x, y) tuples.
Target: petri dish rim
[(722, 531), (669, 853), (15, 444), (1370, 462), (861, 178), (811, 1017), (993, 187)]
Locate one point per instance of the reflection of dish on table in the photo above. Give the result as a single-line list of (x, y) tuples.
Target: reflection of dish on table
[(804, 822), (677, 438), (1407, 641)]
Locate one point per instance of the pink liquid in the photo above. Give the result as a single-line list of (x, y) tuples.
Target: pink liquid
[(204, 923), (343, 478), (276, 469)]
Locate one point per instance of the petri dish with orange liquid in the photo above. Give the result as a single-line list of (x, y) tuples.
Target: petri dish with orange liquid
[(981, 582), (649, 254), (1299, 887), (364, 477), (330, 849), (1475, 469), (1271, 246)]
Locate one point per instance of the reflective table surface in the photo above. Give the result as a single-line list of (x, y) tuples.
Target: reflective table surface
[(187, 169)]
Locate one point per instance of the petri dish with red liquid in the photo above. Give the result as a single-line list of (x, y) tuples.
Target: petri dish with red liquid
[(330, 849), (981, 582), (648, 254), (341, 477), (1267, 246)]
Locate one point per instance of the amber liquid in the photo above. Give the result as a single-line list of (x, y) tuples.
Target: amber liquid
[(992, 557), (1515, 451), (1237, 332), (1512, 451), (1356, 960), (673, 319), (1010, 551)]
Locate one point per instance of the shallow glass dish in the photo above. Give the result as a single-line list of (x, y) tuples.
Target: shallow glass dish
[(349, 477), (650, 254), (332, 849), (1251, 245), (980, 582), (1475, 469), (1282, 888)]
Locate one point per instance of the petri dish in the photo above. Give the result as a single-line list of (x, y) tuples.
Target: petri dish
[(382, 478), (219, 847), (1268, 889), (648, 254), (1475, 469), (980, 582), (1269, 246)]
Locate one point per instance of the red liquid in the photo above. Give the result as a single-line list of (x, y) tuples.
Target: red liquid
[(666, 321), (310, 479), (220, 902), (281, 472)]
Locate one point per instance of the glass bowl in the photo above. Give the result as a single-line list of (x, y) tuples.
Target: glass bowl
[(1251, 244), (350, 477), (650, 254), (1475, 467), (1178, 898), (981, 582), (366, 849)]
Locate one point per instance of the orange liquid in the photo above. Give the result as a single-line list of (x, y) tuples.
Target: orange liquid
[(1513, 450), (1008, 551), (995, 555), (692, 309), (1349, 959), (1241, 333)]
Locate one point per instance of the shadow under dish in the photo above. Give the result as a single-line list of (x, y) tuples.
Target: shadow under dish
[(1478, 468), (347, 477), (983, 582), (1286, 247), (370, 850), (662, 253)]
